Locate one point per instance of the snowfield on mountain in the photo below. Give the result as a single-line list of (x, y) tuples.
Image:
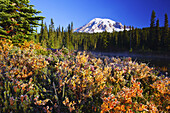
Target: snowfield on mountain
[(100, 25)]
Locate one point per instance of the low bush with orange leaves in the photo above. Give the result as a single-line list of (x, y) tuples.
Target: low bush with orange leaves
[(34, 79)]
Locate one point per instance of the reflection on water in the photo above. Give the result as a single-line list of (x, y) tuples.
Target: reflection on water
[(161, 63)]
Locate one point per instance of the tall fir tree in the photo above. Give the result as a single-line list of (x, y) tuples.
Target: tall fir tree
[(51, 34), (105, 41), (85, 43), (143, 42), (152, 30), (71, 32), (67, 37), (116, 39), (41, 31), (133, 37), (17, 20), (130, 39), (146, 38), (125, 38), (60, 37), (137, 38), (166, 33), (152, 25), (37, 40), (158, 35), (45, 36)]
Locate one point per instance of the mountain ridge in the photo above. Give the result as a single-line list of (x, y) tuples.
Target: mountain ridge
[(100, 25)]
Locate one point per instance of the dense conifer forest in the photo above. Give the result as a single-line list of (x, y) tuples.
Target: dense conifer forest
[(151, 39)]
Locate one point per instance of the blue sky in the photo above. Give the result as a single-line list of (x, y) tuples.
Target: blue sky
[(136, 13)]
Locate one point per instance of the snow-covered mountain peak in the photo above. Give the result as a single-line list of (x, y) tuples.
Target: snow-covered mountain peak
[(97, 20), (101, 25)]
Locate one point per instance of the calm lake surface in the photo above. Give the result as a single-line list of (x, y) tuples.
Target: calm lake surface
[(159, 62)]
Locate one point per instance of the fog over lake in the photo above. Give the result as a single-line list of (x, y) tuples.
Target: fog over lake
[(158, 61)]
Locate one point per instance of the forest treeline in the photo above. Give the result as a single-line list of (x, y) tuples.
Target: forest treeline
[(153, 38), (18, 23)]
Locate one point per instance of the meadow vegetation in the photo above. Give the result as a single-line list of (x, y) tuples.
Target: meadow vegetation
[(34, 79)]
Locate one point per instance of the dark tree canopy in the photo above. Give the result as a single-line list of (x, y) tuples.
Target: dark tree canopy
[(166, 32), (152, 30), (152, 25), (17, 20)]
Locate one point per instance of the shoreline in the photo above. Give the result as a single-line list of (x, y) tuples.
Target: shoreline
[(130, 54), (160, 62)]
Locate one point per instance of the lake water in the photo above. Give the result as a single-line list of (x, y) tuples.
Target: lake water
[(159, 62)]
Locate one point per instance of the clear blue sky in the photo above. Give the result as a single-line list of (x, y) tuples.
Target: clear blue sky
[(136, 13)]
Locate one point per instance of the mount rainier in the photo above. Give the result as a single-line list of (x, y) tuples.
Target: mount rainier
[(100, 25)]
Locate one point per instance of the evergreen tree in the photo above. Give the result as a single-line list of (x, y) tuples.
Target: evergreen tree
[(133, 37), (62, 36), (36, 37), (41, 31), (62, 32), (144, 41), (45, 37), (85, 43), (111, 41), (51, 34), (105, 41), (17, 20), (76, 42), (166, 32), (137, 37), (56, 42), (125, 38), (152, 25), (95, 42), (152, 30), (59, 37), (120, 40), (130, 40), (71, 32), (116, 40), (67, 37), (158, 35)]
